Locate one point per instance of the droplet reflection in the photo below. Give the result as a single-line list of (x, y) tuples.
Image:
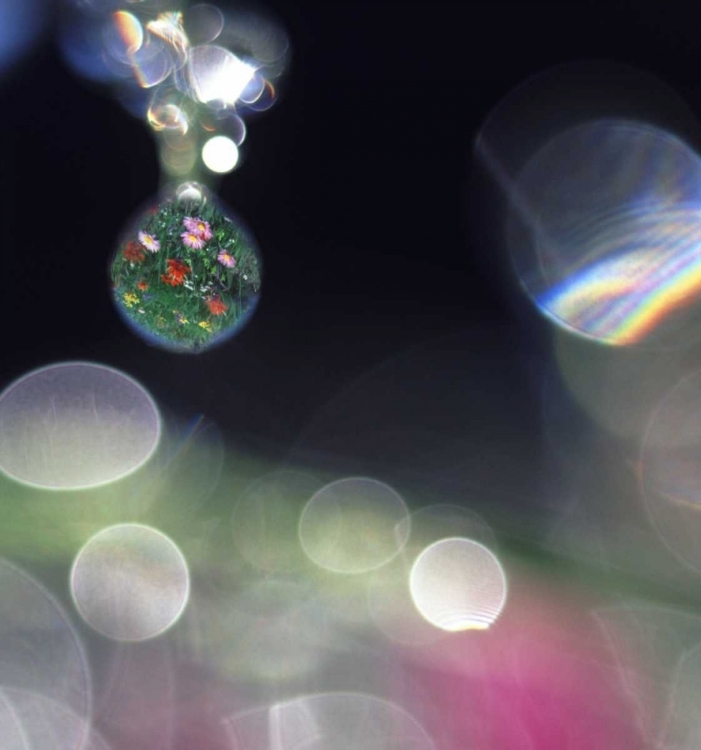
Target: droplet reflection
[(186, 273)]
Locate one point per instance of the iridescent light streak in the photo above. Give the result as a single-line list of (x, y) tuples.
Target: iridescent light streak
[(654, 271)]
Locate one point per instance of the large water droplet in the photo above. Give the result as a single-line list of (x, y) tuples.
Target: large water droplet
[(186, 273)]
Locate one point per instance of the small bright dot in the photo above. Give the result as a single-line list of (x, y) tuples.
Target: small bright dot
[(220, 154), (458, 584)]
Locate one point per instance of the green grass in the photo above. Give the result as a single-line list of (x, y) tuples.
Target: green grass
[(178, 317)]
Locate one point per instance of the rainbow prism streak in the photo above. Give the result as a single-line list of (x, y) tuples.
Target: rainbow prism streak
[(648, 265)]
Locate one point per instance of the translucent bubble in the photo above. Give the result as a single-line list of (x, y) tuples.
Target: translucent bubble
[(40, 652), (220, 154), (256, 35), (342, 721), (130, 582), (265, 520), (152, 63), (271, 631), (125, 36), (354, 525), (186, 273), (190, 192), (167, 111), (75, 425), (458, 584), (607, 231), (203, 23), (169, 28), (215, 74)]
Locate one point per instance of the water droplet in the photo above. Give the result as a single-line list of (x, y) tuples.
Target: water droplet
[(193, 268)]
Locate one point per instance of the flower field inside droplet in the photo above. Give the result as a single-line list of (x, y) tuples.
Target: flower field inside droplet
[(185, 274)]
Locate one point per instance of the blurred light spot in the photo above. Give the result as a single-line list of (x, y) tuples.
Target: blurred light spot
[(130, 582), (215, 74), (389, 596), (254, 89), (169, 28), (166, 112), (189, 192), (129, 32), (152, 63), (204, 23), (256, 35), (354, 525), (74, 426), (458, 584), (40, 651), (606, 232), (338, 720), (265, 519), (263, 98), (220, 154)]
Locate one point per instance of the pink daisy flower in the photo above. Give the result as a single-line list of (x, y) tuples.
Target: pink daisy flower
[(190, 239), (226, 259), (198, 226), (149, 242)]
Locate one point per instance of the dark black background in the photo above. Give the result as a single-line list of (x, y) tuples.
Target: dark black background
[(359, 184)]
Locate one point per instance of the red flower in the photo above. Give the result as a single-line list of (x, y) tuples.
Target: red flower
[(216, 306), (142, 285), (133, 252), (176, 273)]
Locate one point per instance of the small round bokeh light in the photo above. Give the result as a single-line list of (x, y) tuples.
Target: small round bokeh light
[(186, 273)]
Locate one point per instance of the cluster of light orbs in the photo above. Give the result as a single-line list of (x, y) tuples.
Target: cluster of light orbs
[(192, 75), (199, 70)]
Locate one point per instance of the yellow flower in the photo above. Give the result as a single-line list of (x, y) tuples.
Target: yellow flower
[(206, 325), (130, 299)]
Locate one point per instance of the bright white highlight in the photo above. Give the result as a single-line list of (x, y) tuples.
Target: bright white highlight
[(217, 75), (220, 154), (130, 582), (458, 584), (74, 426)]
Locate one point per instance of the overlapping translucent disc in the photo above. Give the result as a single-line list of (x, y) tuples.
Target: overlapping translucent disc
[(44, 676), (75, 425), (130, 582), (605, 232)]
